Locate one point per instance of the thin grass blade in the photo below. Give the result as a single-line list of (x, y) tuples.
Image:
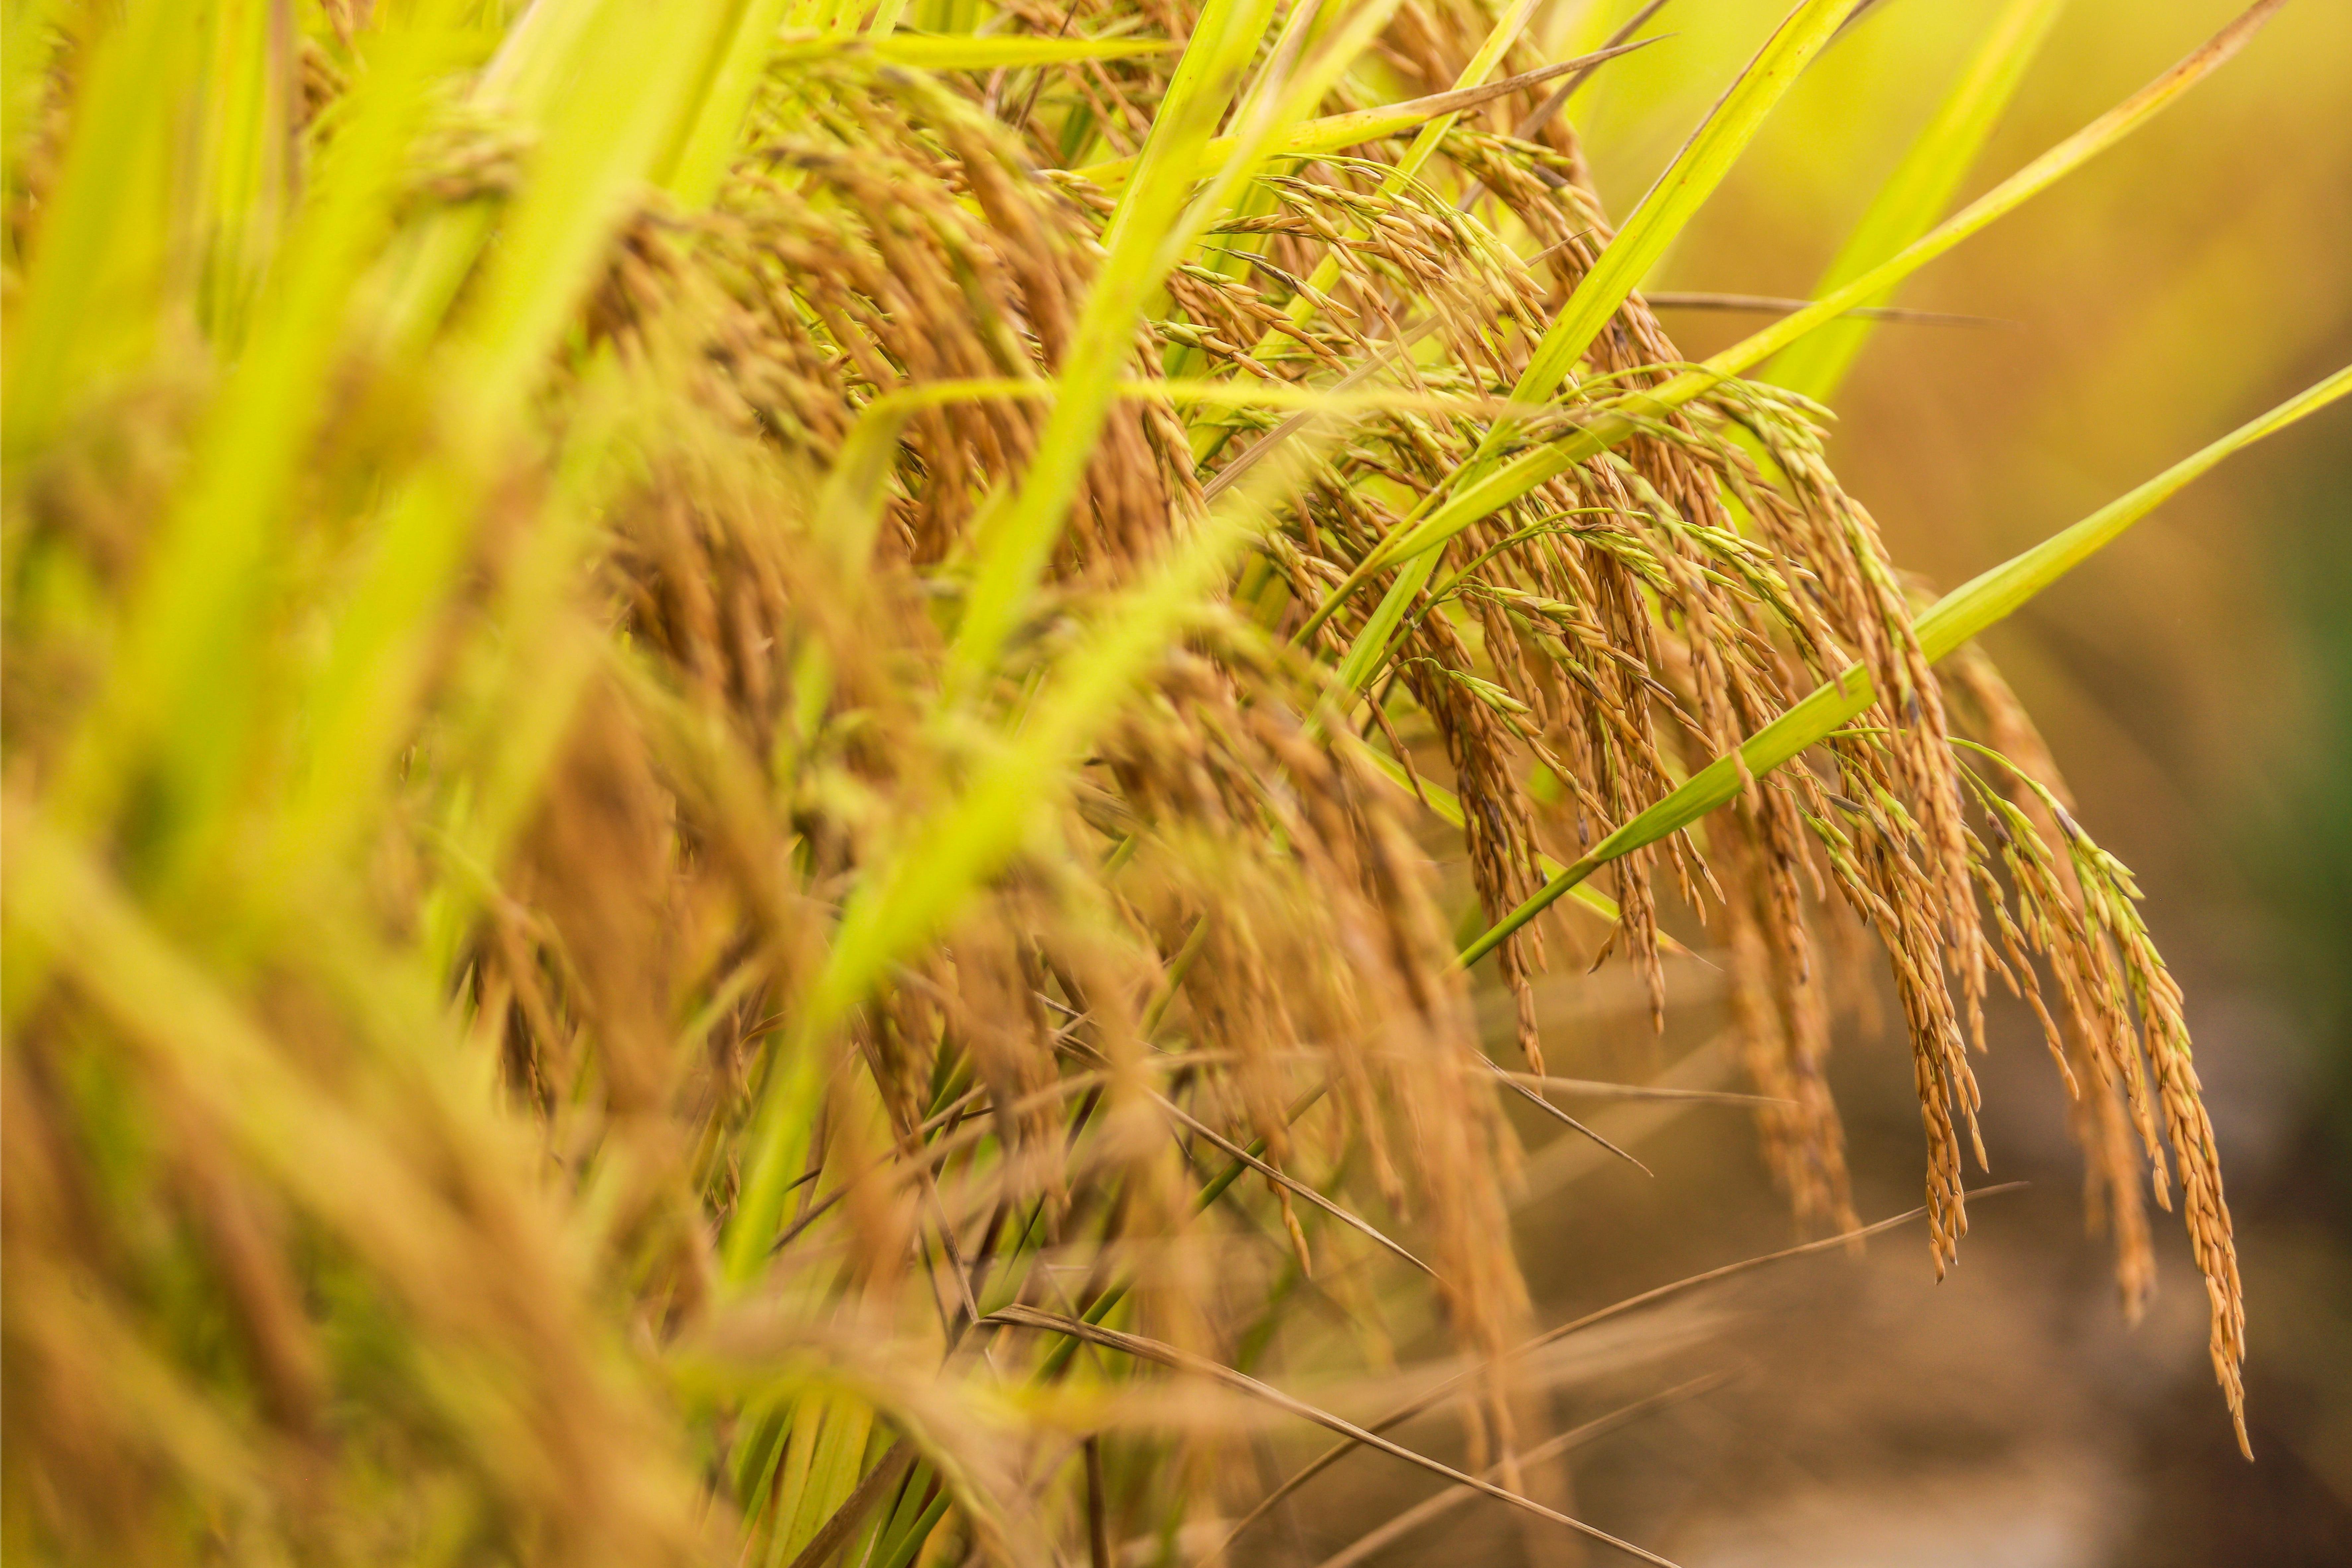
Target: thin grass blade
[(1920, 187), (1430, 1510), (1338, 132), (912, 894), (1200, 1366), (1959, 615), (1669, 205), (1290, 1183), (1613, 423), (1434, 1397), (1151, 227), (1663, 214), (743, 44)]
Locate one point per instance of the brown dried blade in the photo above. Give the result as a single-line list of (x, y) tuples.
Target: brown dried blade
[(1602, 1089), (1775, 305), (1462, 98), (1446, 1501), (1169, 1355), (835, 1531), (1231, 474), (1287, 1183), (1511, 1082), (1542, 115), (1415, 1407)]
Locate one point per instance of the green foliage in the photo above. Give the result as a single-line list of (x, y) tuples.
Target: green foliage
[(1920, 187), (707, 857), (1958, 616)]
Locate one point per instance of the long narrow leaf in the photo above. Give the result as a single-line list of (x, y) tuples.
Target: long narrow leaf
[(194, 621), (1432, 1509), (1920, 187), (1200, 1366), (1958, 617), (1613, 423), (914, 893), (604, 133), (1336, 133), (953, 54), (90, 298), (1670, 205), (705, 138), (1146, 231), (1661, 215), (1452, 1386)]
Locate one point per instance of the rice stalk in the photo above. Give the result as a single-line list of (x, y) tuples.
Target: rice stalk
[(708, 857)]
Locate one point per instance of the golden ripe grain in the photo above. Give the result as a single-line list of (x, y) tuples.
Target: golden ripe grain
[(695, 849)]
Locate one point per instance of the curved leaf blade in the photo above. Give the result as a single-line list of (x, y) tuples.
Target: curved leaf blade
[(1613, 423), (1960, 614), (1661, 215), (1906, 206)]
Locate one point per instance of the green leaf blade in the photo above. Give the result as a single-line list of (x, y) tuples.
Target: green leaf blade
[(1613, 423), (1919, 188), (1963, 613)]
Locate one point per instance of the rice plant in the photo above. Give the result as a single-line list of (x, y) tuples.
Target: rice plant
[(737, 738)]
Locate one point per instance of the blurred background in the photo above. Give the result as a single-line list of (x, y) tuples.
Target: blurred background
[(2195, 681)]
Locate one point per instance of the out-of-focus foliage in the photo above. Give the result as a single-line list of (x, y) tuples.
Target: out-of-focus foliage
[(716, 720)]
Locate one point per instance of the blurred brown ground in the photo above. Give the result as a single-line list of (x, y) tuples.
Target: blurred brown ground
[(2196, 683)]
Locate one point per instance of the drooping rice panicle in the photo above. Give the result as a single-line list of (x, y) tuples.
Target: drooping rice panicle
[(703, 710)]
